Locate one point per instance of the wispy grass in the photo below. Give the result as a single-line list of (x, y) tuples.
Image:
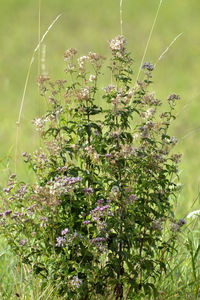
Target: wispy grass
[(149, 38), (26, 83), (182, 280), (17, 281), (121, 17), (167, 49)]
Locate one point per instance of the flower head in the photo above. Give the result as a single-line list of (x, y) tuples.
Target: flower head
[(60, 241), (92, 78), (76, 282), (148, 66), (22, 242), (182, 222), (70, 53), (118, 44), (86, 222), (8, 212), (88, 190), (65, 231)]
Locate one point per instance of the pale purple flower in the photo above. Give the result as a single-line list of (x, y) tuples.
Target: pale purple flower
[(98, 240), (133, 197), (182, 222), (86, 222), (12, 176), (7, 212), (99, 211), (100, 201), (60, 241), (76, 282), (26, 156), (62, 184), (109, 89), (105, 207), (88, 190), (45, 219), (7, 190), (23, 190), (22, 242), (173, 97), (148, 66), (15, 215), (65, 231)]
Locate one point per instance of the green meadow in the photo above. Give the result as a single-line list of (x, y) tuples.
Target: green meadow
[(87, 25)]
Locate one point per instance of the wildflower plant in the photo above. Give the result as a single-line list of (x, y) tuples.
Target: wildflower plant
[(95, 221)]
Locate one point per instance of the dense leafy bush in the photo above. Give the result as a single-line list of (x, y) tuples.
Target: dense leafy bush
[(98, 221)]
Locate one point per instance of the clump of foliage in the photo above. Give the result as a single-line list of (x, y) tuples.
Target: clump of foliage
[(99, 219)]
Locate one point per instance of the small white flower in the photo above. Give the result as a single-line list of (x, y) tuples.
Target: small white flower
[(135, 136), (115, 189), (39, 123), (131, 92), (173, 140), (193, 214), (92, 78), (149, 113), (84, 94), (93, 56), (118, 43), (81, 62), (70, 67)]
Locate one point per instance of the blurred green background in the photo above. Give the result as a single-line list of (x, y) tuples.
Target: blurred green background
[(87, 25)]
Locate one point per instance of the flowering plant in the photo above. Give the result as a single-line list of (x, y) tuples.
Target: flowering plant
[(94, 223)]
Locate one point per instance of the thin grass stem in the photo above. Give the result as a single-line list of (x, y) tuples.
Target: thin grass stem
[(25, 86), (189, 133), (121, 17), (149, 39), (167, 49), (39, 34)]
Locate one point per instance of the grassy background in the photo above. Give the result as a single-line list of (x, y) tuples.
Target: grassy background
[(87, 25)]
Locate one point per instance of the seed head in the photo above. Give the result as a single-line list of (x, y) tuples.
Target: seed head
[(148, 66), (118, 44)]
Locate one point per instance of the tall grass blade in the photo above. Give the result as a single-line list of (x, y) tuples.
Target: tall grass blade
[(121, 17), (25, 86), (167, 49), (149, 38)]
